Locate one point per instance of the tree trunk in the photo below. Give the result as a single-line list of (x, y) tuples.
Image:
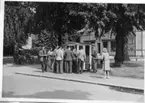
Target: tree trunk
[(15, 56), (59, 39), (119, 57), (126, 56), (96, 46)]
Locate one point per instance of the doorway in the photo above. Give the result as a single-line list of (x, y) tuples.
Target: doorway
[(87, 51)]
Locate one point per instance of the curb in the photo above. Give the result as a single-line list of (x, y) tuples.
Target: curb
[(84, 81)]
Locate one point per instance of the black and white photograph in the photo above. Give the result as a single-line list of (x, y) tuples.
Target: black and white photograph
[(73, 51)]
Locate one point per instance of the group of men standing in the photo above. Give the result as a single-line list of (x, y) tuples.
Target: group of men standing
[(62, 60)]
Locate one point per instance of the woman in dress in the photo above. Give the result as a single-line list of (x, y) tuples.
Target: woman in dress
[(106, 63)]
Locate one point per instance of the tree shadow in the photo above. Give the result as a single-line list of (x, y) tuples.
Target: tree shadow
[(125, 90), (58, 94), (128, 64)]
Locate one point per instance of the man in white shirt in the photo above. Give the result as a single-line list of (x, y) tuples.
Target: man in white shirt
[(81, 59), (59, 59)]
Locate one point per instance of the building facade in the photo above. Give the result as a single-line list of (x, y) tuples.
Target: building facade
[(136, 44)]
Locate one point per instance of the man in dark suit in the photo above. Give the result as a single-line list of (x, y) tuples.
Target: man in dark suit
[(94, 61), (68, 57), (43, 58), (75, 61)]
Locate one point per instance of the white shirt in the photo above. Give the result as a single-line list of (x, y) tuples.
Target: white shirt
[(50, 53), (59, 54), (81, 55)]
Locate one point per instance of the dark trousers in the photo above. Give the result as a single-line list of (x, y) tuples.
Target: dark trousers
[(81, 64), (53, 65), (94, 65), (62, 66), (68, 66), (59, 68), (75, 66), (50, 62), (44, 65)]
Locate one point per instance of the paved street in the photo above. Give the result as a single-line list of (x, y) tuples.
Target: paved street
[(16, 85), (31, 87)]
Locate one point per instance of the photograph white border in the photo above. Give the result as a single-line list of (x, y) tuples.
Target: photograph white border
[(52, 100), (1, 43)]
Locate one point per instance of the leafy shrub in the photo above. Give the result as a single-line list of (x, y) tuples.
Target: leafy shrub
[(27, 56)]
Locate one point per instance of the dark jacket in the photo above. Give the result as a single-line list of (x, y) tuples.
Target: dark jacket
[(68, 55), (75, 55), (42, 55)]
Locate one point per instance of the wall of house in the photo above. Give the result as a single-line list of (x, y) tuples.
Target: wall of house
[(132, 45), (136, 44), (140, 43), (107, 41), (144, 43)]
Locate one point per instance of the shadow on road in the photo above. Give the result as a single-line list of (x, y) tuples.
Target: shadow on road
[(58, 94), (130, 64), (127, 90)]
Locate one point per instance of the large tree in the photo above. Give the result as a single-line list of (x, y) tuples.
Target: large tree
[(62, 19), (17, 24), (47, 39), (129, 19), (121, 19), (57, 19)]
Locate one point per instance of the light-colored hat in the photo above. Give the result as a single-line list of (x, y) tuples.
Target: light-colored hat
[(105, 50)]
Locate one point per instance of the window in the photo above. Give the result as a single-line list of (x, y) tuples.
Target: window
[(105, 44), (99, 47), (87, 50)]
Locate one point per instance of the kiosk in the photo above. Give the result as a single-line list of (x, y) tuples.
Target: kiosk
[(87, 47)]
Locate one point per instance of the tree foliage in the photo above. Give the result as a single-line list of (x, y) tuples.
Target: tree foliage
[(130, 18), (17, 26), (57, 19), (47, 39), (60, 21), (17, 22), (121, 19)]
